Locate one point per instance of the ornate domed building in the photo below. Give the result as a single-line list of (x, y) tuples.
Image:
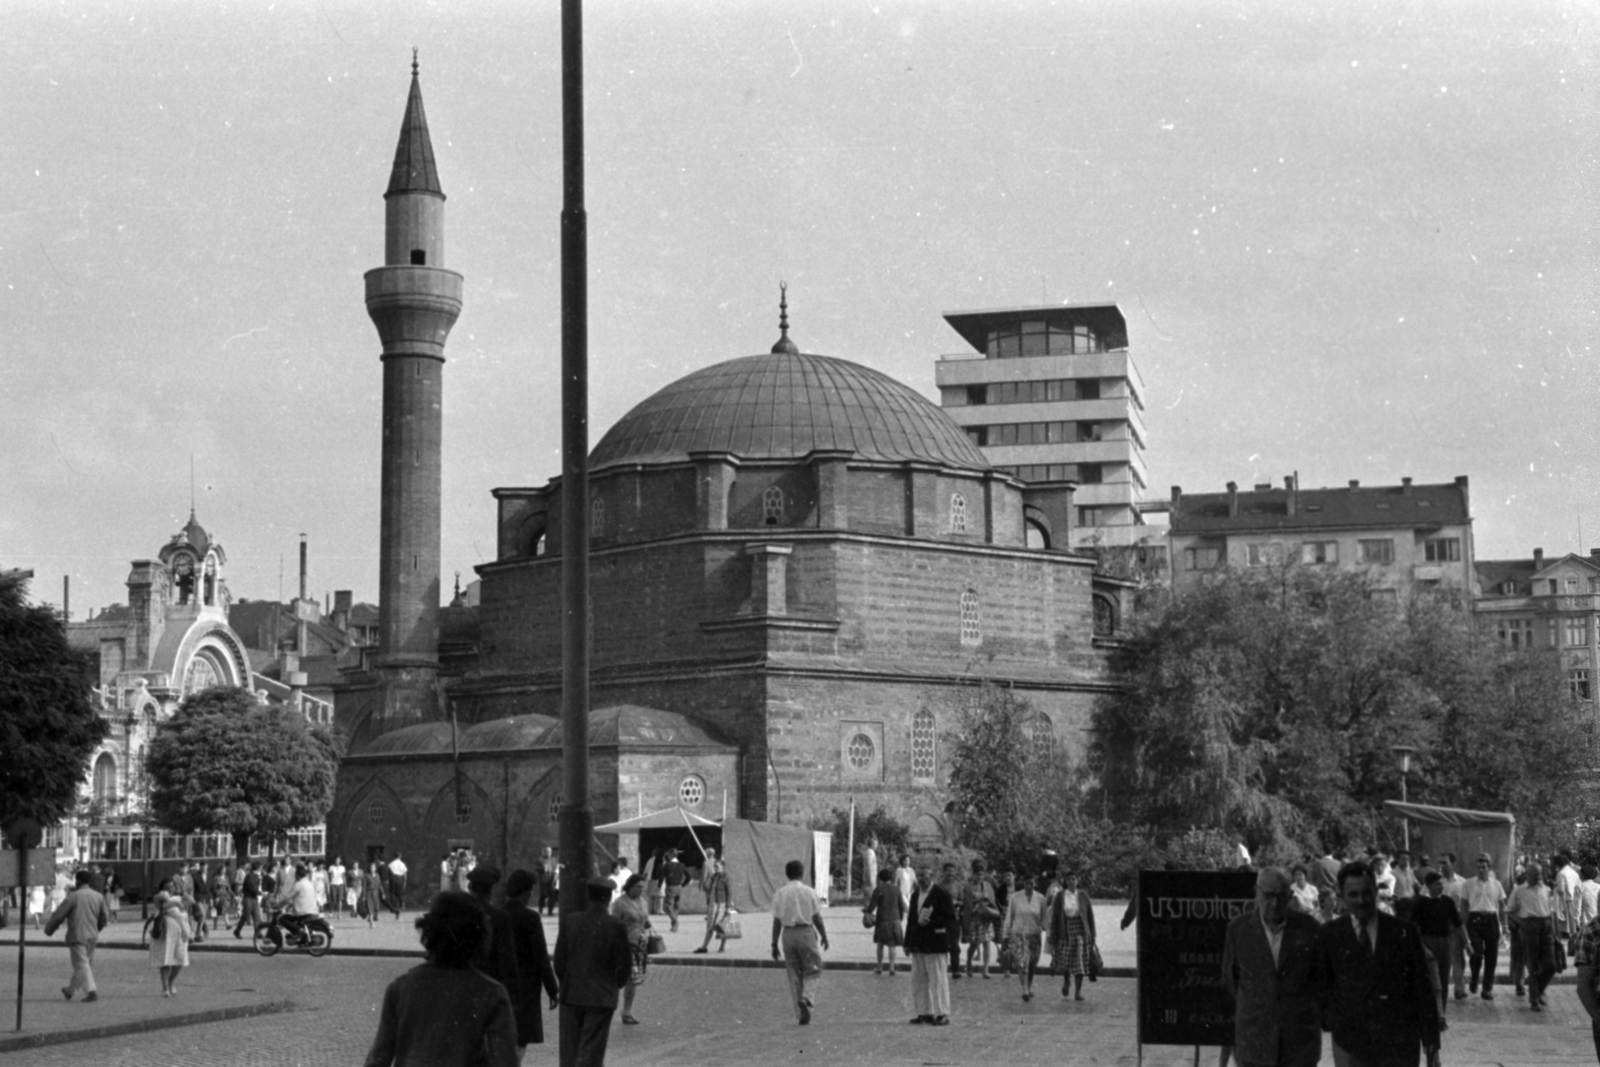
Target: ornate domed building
[(801, 569)]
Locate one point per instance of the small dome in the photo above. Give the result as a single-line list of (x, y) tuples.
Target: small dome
[(630, 724), (424, 737), (782, 406), (513, 731)]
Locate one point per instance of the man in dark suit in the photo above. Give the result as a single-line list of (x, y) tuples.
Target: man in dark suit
[(1268, 965), (593, 962), (497, 956), (1373, 971), (931, 917), (533, 959)]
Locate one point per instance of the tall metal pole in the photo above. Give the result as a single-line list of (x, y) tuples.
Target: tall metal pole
[(576, 820)]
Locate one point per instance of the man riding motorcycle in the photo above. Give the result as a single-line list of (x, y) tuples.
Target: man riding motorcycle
[(302, 905)]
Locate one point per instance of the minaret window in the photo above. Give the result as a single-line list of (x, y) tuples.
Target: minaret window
[(419, 257), (772, 505), (923, 745), (597, 517)]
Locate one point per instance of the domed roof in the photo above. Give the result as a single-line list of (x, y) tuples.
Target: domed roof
[(630, 724), (781, 406), (513, 731), (423, 737)]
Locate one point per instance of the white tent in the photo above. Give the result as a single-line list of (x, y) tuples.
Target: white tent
[(665, 819)]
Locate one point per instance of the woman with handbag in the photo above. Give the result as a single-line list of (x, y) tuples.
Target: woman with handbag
[(634, 912), (884, 919), (980, 915), (169, 949), (1023, 931), (717, 905), (1072, 939)]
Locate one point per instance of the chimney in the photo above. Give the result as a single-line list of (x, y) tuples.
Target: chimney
[(1291, 486), (1405, 486), (1263, 487), (66, 598), (1594, 553), (1461, 483), (300, 605), (342, 601), (1177, 499), (1538, 557), (1354, 484), (302, 566), (1233, 500)]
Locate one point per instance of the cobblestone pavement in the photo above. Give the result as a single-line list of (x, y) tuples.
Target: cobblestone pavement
[(701, 1016)]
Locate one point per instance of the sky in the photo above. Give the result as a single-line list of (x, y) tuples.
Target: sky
[(1353, 241)]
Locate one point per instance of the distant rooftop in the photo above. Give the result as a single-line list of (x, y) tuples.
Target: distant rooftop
[(1269, 508), (1104, 319)]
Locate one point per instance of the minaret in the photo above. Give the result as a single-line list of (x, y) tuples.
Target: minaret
[(413, 301)]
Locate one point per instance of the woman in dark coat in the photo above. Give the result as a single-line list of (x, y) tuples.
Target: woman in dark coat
[(533, 959)]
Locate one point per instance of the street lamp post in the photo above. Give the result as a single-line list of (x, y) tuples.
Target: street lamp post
[(1404, 753)]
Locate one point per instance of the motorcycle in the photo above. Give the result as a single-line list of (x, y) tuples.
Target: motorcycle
[(309, 932)]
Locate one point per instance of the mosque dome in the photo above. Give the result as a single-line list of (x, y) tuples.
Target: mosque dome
[(784, 405)]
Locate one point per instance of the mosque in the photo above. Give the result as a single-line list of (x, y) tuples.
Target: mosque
[(801, 572)]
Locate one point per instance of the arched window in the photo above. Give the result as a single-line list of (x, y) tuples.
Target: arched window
[(958, 513), (597, 517), (105, 779), (1044, 735), (375, 810), (923, 745), (1037, 536), (1105, 617), (555, 807), (970, 632), (772, 506)]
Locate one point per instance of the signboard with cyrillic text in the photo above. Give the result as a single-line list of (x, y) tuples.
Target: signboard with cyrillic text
[(1182, 925)]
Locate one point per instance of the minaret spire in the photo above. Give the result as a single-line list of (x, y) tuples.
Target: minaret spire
[(784, 345)]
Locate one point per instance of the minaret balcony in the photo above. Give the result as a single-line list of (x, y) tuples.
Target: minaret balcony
[(413, 308)]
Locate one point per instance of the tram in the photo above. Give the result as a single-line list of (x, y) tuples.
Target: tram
[(125, 849)]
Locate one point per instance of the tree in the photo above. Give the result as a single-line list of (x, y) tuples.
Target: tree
[(1265, 704), (1013, 796), (225, 764), (893, 837), (49, 726)]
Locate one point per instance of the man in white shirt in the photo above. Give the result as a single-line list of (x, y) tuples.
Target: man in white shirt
[(336, 885), (1485, 900), (397, 881), (797, 926), (905, 880), (1565, 888), (302, 903), (1406, 885), (619, 877)]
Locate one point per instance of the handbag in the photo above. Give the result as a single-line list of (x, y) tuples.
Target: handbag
[(655, 944), (729, 930), (158, 928), (361, 906)]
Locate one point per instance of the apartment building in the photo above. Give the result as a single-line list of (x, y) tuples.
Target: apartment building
[(1051, 394), (1547, 603), (1402, 535)]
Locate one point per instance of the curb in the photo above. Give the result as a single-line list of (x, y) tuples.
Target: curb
[(139, 1026)]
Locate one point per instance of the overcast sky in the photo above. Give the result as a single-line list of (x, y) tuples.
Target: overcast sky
[(1351, 240)]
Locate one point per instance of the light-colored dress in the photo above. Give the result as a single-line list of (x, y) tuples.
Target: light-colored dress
[(171, 949), (1024, 925)]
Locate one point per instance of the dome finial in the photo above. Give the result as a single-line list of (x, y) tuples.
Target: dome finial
[(784, 345), (413, 62)]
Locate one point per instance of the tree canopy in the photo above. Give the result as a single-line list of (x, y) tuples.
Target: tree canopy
[(225, 764), (1266, 704), (49, 726), (1014, 792)]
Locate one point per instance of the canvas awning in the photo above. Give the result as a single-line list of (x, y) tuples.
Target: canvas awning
[(1450, 816), (665, 819)]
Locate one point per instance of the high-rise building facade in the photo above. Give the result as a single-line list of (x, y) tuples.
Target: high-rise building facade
[(1051, 394)]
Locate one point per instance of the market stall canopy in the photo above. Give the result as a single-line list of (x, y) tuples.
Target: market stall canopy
[(665, 819), (1465, 833)]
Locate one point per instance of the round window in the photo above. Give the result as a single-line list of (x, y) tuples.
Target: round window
[(375, 810), (861, 752), (691, 791)]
